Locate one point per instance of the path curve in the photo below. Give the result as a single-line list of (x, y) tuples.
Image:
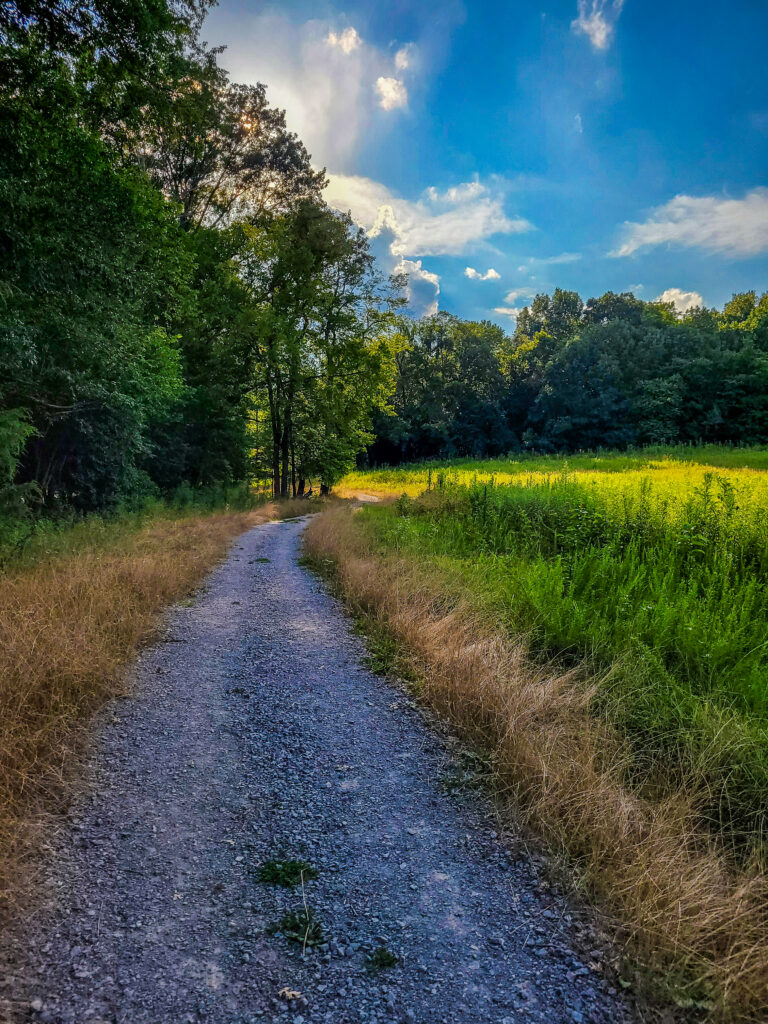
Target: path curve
[(254, 730)]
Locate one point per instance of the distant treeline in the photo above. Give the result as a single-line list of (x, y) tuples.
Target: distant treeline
[(610, 373), (178, 307)]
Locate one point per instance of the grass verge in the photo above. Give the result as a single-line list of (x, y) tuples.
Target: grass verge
[(69, 622), (686, 908)]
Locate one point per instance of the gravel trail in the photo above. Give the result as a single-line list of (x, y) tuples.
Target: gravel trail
[(254, 732)]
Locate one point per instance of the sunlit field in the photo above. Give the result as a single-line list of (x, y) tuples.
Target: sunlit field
[(651, 569)]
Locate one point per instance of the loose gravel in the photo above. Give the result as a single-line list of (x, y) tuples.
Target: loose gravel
[(253, 733)]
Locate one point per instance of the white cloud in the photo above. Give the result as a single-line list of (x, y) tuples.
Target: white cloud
[(435, 226), (682, 301), (735, 227), (578, 124), (457, 193), (347, 41), (392, 93), (635, 288), (475, 275), (510, 311), (597, 21), (404, 57), (517, 293), (423, 287), (325, 77)]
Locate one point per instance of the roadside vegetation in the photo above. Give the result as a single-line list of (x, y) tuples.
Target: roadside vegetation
[(598, 626), (74, 607)]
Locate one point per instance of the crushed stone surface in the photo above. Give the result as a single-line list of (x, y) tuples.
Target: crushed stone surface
[(253, 731)]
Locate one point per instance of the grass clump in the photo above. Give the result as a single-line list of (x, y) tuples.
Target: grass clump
[(301, 926), (380, 959), (286, 873)]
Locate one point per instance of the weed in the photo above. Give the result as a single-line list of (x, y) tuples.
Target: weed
[(380, 959), (302, 926), (287, 873)]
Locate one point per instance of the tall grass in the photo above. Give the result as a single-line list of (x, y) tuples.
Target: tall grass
[(666, 602), (680, 466), (73, 609)]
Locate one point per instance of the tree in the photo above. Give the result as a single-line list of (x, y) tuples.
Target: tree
[(218, 150), (321, 338)]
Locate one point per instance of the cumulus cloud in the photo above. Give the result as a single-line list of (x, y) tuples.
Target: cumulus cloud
[(423, 287), (347, 41), (682, 301), (735, 227), (511, 311), (445, 224), (597, 21), (326, 78), (392, 93), (475, 275), (517, 293)]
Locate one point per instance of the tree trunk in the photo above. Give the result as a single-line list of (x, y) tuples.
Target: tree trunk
[(286, 450)]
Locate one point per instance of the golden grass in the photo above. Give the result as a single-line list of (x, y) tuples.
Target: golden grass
[(68, 625), (683, 907)]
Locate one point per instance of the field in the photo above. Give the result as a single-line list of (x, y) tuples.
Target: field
[(642, 579), (653, 570)]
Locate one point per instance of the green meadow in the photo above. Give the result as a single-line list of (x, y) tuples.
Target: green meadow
[(650, 570)]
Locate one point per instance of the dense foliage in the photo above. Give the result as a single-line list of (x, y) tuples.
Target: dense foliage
[(612, 373), (178, 307)]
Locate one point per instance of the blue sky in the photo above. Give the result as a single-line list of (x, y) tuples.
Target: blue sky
[(497, 149)]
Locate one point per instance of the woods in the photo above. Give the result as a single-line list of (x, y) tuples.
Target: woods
[(612, 372), (178, 306)]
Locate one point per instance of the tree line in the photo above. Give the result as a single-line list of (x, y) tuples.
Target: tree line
[(609, 373), (178, 306)]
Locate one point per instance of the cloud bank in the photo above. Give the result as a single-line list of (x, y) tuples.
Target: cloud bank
[(438, 224)]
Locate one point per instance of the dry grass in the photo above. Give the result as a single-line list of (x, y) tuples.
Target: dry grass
[(683, 907), (68, 625)]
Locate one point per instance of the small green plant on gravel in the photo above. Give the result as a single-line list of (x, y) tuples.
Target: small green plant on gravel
[(302, 926), (287, 873), (381, 958), (262, 559)]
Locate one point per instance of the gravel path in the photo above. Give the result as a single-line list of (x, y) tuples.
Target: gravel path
[(254, 733)]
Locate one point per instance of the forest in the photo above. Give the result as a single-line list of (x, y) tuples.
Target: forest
[(181, 311)]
